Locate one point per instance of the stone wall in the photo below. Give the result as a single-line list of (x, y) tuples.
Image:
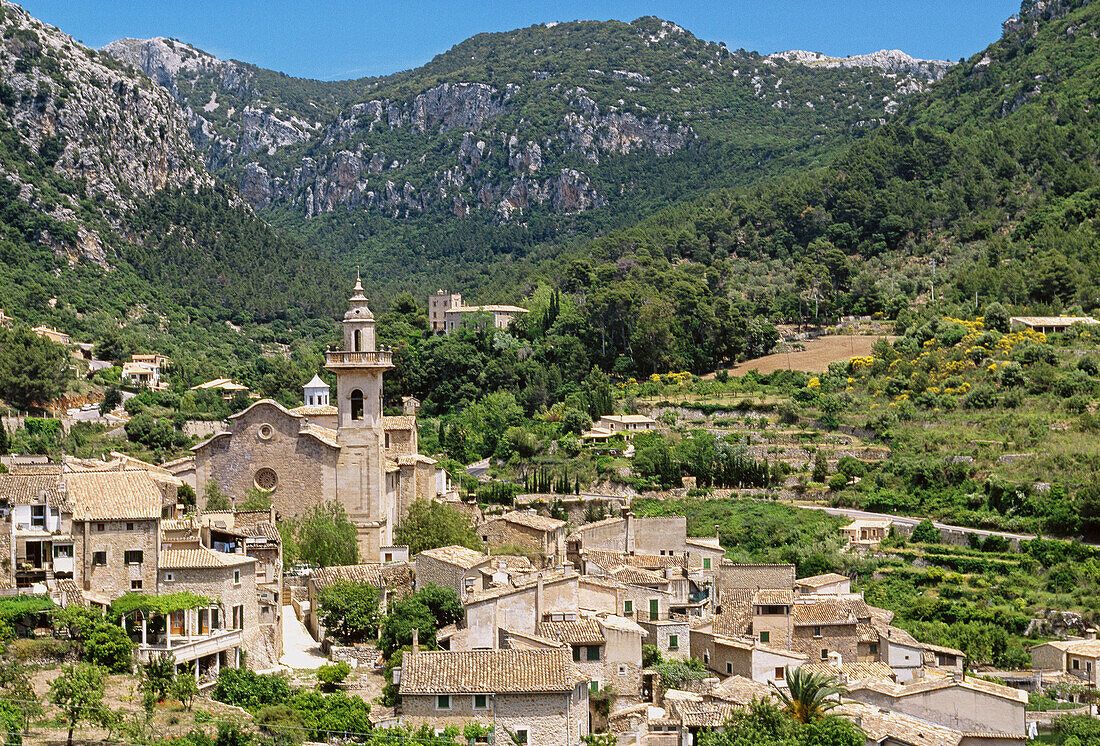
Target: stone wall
[(116, 577), (836, 638), (748, 577), (657, 634), (354, 656), (550, 719)]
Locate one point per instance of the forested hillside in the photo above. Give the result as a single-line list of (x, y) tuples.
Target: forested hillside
[(111, 226)]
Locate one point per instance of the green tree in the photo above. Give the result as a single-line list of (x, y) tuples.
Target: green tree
[(78, 692), (430, 524), (425, 611), (332, 674), (33, 370), (185, 688), (107, 645), (111, 399), (255, 499), (995, 317), (926, 533), (808, 696), (349, 611), (158, 676), (821, 468), (214, 498), (17, 691), (327, 538), (5, 440)]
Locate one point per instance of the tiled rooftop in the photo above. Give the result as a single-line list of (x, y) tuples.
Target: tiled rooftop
[(459, 556), (489, 672), (584, 631), (114, 495), (199, 557), (533, 521)]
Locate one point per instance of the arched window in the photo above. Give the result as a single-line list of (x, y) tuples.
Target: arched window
[(357, 403), (358, 341)]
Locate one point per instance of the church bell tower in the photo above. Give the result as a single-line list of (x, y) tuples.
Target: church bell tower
[(360, 469)]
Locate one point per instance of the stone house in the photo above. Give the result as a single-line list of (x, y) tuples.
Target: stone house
[(741, 656), (455, 567), (438, 305), (53, 335), (520, 606), (606, 649), (828, 584), (961, 702), (214, 637), (1078, 657), (733, 576), (537, 697), (498, 316), (866, 532), (37, 539), (531, 531)]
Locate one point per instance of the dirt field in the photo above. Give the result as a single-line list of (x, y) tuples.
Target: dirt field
[(814, 359)]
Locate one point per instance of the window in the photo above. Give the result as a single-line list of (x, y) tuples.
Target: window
[(593, 653), (622, 669), (99, 558), (238, 617), (204, 621), (1076, 664), (169, 577), (593, 687), (481, 702), (577, 653), (779, 673), (765, 637), (129, 527), (443, 702), (99, 527), (135, 585), (236, 577), (38, 516), (817, 631), (215, 618), (628, 607), (706, 658), (729, 667), (389, 557), (824, 654), (673, 642), (133, 556), (358, 341), (706, 563), (357, 404), (63, 551), (874, 648), (521, 736)]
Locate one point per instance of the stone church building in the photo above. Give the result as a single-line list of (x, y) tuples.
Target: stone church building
[(345, 450)]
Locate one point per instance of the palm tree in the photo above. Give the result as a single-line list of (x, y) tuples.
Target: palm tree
[(809, 695)]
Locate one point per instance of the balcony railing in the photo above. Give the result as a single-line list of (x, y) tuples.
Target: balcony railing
[(343, 357), (198, 647)]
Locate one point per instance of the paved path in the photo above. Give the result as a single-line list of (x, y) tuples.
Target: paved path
[(299, 648), (905, 520)]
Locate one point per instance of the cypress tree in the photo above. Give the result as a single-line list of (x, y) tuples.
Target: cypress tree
[(5, 443)]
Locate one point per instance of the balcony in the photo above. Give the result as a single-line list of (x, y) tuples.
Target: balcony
[(345, 359), (198, 647)]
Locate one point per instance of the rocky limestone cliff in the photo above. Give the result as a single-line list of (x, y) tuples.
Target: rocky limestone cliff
[(503, 143), (104, 127)]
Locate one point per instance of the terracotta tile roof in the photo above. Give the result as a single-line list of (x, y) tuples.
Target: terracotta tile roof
[(412, 459), (704, 714), (533, 521), (370, 573), (69, 592), (817, 581), (882, 725), (177, 525), (521, 583), (830, 610), (742, 690), (637, 576), (315, 410), (1084, 648), (773, 597), (35, 469), (199, 557), (114, 496), (866, 633), (856, 671), (607, 560), (28, 489), (400, 422), (898, 691), (489, 672), (463, 557), (324, 434), (584, 631)]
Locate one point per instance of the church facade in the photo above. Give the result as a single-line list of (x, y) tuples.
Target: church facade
[(342, 449)]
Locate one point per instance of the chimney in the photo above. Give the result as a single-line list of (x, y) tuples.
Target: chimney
[(629, 516), (538, 598), (1090, 633), (958, 676), (416, 640)]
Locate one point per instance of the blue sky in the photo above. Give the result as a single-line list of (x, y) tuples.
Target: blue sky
[(338, 39)]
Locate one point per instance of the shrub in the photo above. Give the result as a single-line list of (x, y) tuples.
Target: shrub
[(332, 674), (982, 396), (837, 482), (926, 533), (250, 690)]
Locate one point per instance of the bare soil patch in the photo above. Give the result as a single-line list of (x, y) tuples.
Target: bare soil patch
[(815, 358)]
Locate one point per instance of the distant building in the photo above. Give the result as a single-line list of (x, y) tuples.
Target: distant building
[(226, 386), (866, 533), (620, 424), (53, 335), (438, 305), (146, 371), (5, 320), (1047, 324), (502, 316)]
